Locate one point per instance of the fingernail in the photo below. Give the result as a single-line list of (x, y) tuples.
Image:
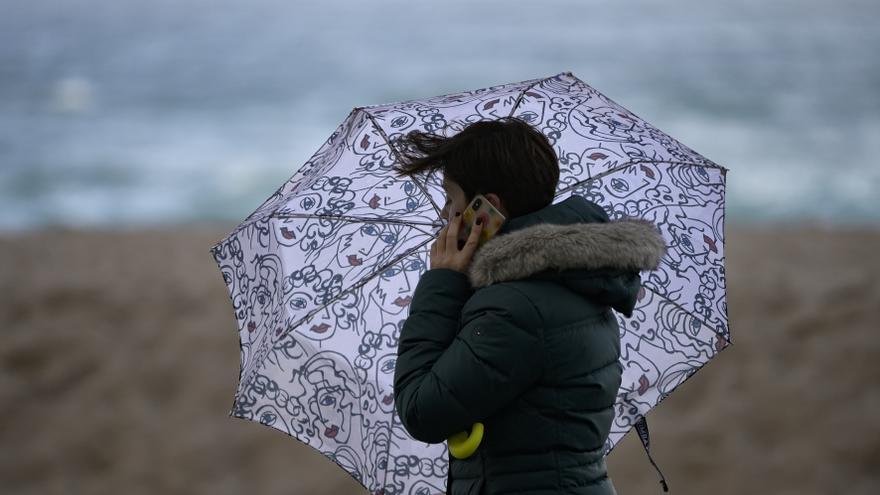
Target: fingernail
[(458, 213), (479, 221)]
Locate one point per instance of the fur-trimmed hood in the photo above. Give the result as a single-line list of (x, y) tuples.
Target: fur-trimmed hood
[(574, 243)]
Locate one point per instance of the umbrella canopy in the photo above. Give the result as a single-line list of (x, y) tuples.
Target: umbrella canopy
[(321, 274)]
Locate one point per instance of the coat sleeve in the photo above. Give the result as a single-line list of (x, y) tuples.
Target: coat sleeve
[(445, 379)]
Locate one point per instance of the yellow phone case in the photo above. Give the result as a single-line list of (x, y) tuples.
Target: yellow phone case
[(480, 207)]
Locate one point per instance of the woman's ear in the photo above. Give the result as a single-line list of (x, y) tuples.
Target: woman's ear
[(496, 202)]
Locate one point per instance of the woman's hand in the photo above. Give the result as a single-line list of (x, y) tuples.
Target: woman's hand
[(445, 252)]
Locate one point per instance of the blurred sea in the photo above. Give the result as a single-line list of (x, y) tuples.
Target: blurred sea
[(118, 113)]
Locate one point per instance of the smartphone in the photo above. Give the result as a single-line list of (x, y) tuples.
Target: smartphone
[(480, 207)]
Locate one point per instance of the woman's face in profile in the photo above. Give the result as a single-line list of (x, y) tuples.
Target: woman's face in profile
[(455, 201)]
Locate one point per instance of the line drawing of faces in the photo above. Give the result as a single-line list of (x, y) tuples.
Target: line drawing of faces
[(391, 196), (316, 284), (307, 288), (630, 182), (430, 464), (333, 394), (351, 461), (378, 337), (337, 198), (296, 302), (492, 106), (532, 108), (397, 122), (270, 404), (287, 349), (344, 315), (318, 327), (360, 248), (270, 415), (373, 150), (606, 123), (384, 379), (430, 468), (229, 257), (330, 153), (597, 159), (422, 487), (375, 446), (261, 295), (392, 293), (674, 375)]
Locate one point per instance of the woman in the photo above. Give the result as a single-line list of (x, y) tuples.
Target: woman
[(520, 334)]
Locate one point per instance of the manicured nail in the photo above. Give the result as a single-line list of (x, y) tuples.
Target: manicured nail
[(480, 221), (458, 213)]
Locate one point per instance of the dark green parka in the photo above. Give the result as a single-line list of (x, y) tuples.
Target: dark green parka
[(527, 344)]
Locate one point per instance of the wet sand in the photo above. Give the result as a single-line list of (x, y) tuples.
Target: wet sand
[(120, 359)]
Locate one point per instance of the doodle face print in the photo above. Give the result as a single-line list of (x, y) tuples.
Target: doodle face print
[(377, 238), (393, 291), (422, 487), (303, 290), (376, 446), (350, 460), (606, 123), (385, 382), (335, 393), (393, 197), (261, 296), (401, 120), (372, 244), (332, 413), (269, 416)]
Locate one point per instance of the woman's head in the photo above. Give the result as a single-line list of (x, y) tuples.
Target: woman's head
[(506, 160)]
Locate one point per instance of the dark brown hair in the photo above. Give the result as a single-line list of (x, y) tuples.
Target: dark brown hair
[(507, 157)]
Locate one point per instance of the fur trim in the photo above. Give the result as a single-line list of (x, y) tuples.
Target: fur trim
[(633, 243)]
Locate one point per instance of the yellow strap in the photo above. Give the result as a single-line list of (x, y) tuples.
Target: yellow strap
[(462, 445)]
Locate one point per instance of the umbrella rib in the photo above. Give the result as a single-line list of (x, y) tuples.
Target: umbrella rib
[(629, 164), (394, 151), (519, 98), (358, 219), (679, 306)]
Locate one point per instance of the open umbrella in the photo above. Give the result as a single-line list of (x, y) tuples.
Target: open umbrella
[(321, 274)]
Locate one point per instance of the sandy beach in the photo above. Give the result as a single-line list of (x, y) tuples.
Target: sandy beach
[(120, 360)]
